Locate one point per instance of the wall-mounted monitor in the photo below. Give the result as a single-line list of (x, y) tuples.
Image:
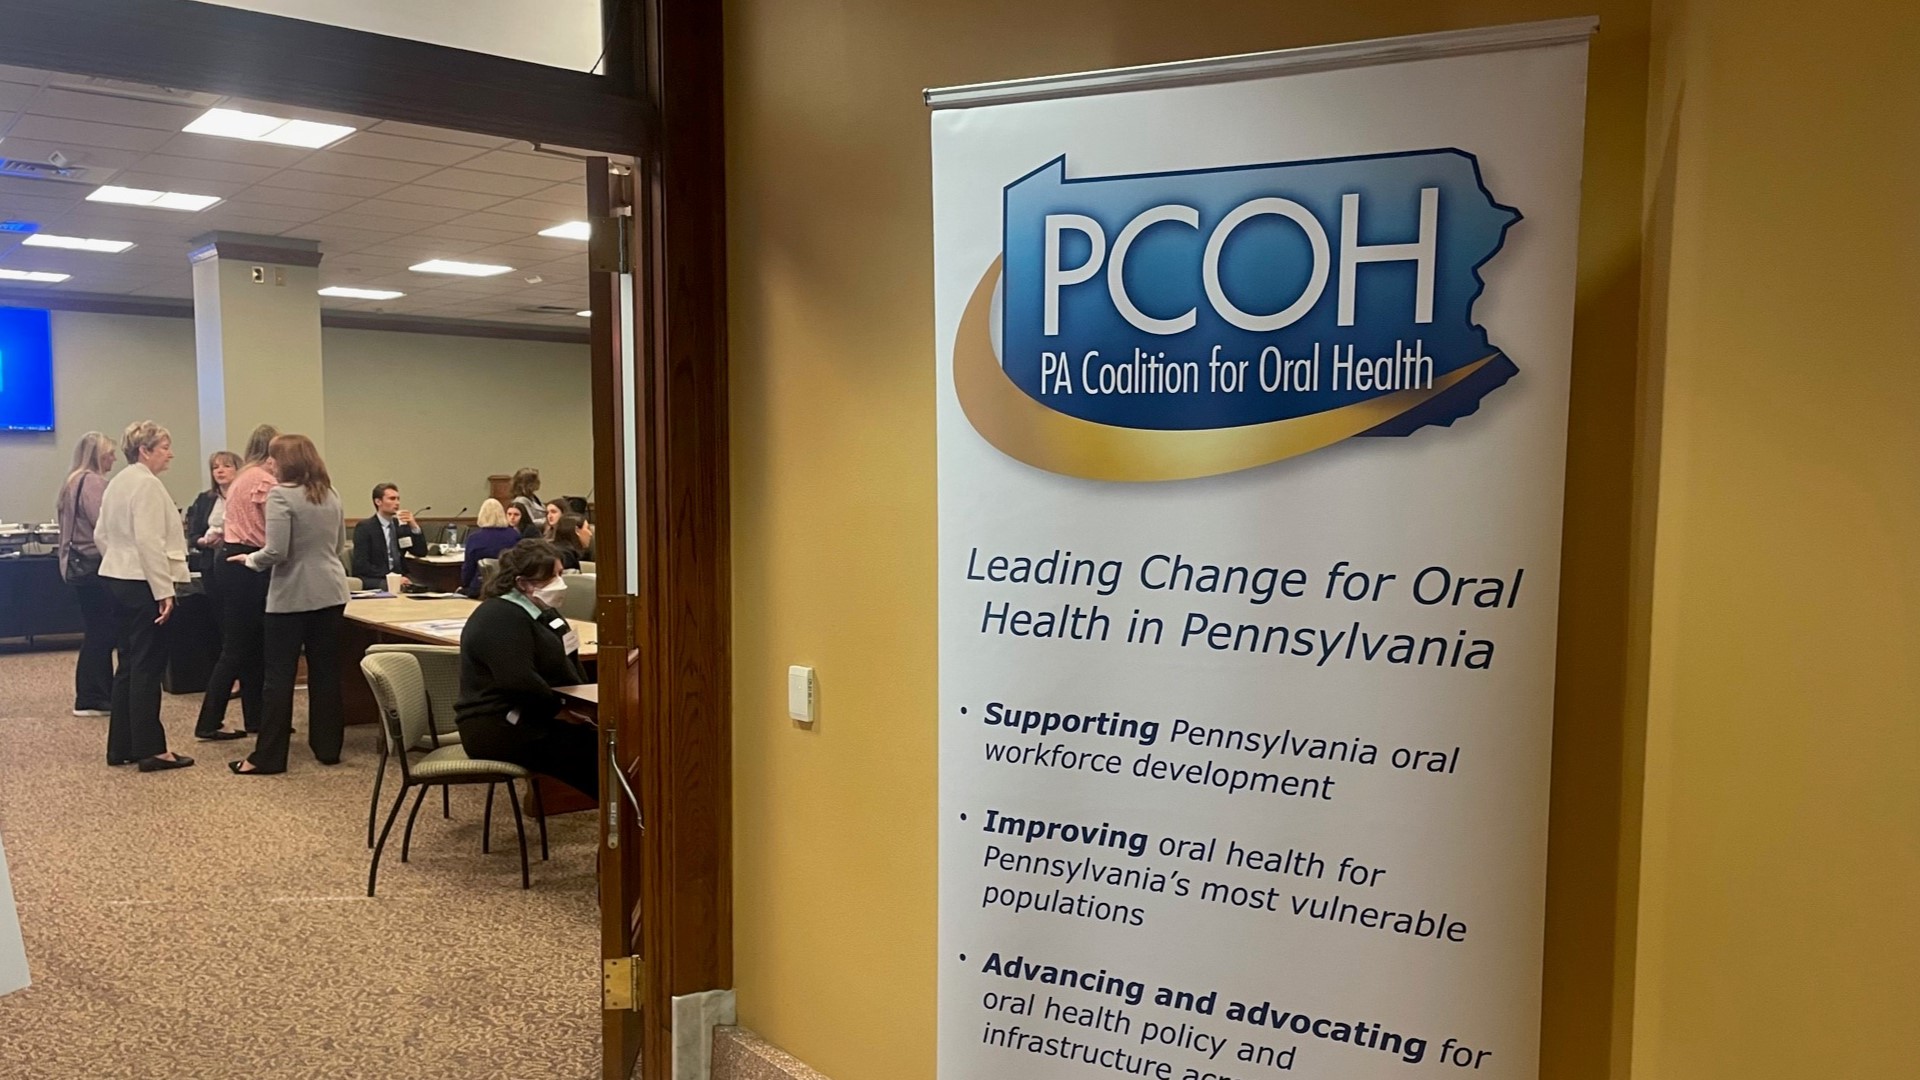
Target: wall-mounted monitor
[(26, 370)]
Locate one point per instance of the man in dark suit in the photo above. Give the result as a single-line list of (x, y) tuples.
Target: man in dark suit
[(381, 543)]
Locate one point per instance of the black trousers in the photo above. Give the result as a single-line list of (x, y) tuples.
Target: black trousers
[(317, 633), (570, 753), (93, 671), (134, 730), (242, 594)]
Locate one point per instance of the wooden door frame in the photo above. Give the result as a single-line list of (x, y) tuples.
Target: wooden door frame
[(660, 102)]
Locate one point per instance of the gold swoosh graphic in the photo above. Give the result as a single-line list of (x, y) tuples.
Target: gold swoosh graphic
[(1028, 431)]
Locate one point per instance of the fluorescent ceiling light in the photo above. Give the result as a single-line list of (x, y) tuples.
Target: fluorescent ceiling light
[(77, 243), (572, 230), (256, 127), (464, 269), (32, 275), (159, 200), (361, 294), (584, 314)]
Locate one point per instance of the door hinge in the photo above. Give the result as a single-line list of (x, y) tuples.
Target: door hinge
[(609, 245), (620, 983)]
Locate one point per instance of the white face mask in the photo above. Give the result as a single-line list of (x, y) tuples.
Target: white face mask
[(551, 593)]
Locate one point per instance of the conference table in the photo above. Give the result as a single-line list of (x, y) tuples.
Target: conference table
[(434, 621), (441, 573)]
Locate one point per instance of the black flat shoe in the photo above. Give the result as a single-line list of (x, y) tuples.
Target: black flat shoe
[(160, 764), (221, 736), (234, 768)]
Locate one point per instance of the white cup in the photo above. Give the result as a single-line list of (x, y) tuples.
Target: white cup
[(393, 583)]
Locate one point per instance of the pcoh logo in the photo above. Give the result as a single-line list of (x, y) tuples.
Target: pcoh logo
[(1167, 326)]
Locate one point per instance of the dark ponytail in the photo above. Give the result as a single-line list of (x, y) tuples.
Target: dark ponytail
[(529, 560)]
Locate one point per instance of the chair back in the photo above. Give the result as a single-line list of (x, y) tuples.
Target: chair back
[(440, 671), (588, 566), (401, 693), (581, 596), (488, 568)]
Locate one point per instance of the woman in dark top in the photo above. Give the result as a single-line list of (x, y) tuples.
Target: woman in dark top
[(208, 513), (491, 535), (571, 535), (514, 650)]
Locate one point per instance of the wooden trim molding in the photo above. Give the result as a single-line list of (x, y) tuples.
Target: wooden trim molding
[(225, 50)]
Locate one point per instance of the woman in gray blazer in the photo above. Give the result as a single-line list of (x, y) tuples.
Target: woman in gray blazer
[(305, 604)]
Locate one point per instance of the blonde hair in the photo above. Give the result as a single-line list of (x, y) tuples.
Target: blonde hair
[(93, 453), (142, 435), (492, 515)]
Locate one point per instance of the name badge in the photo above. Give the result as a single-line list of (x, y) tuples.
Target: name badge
[(558, 623), (406, 542), (573, 640)]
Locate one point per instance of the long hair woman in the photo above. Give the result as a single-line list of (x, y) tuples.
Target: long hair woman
[(524, 492), (572, 537), (515, 649), (143, 555), (306, 601), (208, 514), (77, 509), (242, 595)]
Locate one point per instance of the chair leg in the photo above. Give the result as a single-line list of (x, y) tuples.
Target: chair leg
[(446, 801), (486, 824), (513, 798), (540, 815), (379, 777), (406, 838), (373, 871)]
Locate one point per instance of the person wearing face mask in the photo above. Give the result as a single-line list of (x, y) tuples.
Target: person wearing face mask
[(515, 649)]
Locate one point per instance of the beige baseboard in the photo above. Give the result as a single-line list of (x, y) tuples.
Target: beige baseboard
[(739, 1054)]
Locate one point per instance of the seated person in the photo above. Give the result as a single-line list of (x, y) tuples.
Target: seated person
[(572, 535), (382, 542), (555, 510), (514, 650), (491, 535)]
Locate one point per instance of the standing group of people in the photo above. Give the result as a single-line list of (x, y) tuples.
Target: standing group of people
[(267, 537)]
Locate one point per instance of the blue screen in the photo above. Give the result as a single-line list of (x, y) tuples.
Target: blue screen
[(26, 371)]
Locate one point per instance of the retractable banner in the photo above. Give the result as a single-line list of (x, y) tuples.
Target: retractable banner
[(1252, 383), (13, 954)]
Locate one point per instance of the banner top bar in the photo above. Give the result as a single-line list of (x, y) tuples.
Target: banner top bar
[(1249, 65)]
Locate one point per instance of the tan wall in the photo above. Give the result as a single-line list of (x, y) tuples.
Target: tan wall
[(433, 414), (1781, 859), (833, 485)]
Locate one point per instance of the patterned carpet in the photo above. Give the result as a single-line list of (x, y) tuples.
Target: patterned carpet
[(194, 925)]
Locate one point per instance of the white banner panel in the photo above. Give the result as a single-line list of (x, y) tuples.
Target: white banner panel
[(557, 33), (13, 954), (1252, 422)]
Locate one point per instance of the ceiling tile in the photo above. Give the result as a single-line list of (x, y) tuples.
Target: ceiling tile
[(551, 213), (29, 76), (522, 226), (136, 178), (464, 138), (92, 157), (199, 169), (439, 196), (332, 185), (364, 167), (491, 183), (82, 133), (293, 198), (474, 234), (112, 109), (212, 148), (14, 96), (426, 151), (419, 214), (538, 166)]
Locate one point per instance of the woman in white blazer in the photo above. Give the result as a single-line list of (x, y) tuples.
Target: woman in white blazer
[(143, 554)]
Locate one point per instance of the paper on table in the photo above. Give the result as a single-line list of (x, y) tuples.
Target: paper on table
[(440, 628), (13, 952)]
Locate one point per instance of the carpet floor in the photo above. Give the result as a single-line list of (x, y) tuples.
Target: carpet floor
[(194, 925)]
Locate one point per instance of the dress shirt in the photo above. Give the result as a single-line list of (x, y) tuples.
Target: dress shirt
[(247, 505), (139, 532)]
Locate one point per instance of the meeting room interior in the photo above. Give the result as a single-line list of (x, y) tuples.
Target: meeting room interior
[(218, 286)]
